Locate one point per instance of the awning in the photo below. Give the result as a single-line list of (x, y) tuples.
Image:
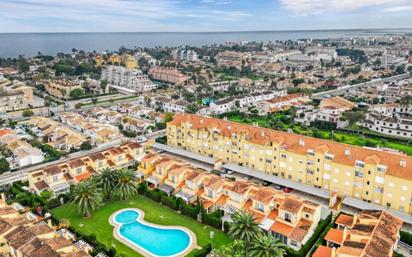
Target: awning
[(166, 188), (60, 187), (278, 180), (153, 180), (185, 196), (266, 224), (139, 174), (228, 208), (184, 153)]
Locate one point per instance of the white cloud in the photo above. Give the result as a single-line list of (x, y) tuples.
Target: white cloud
[(308, 7), (108, 15), (402, 8)]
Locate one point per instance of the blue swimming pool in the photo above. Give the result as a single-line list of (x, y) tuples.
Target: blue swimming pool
[(158, 241)]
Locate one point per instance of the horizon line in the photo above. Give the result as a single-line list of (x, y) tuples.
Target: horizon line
[(218, 31)]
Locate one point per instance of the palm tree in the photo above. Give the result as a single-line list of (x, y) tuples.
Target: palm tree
[(244, 227), (265, 245), (235, 249), (126, 185), (107, 182), (86, 196)]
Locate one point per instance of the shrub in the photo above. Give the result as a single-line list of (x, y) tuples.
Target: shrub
[(212, 219), (189, 210), (204, 251), (154, 195), (170, 202), (406, 237)]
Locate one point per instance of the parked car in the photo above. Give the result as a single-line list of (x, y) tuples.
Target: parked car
[(141, 139), (287, 189)]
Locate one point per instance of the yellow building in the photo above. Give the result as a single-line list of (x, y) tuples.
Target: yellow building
[(374, 176), (129, 61), (99, 60), (114, 59), (60, 88)]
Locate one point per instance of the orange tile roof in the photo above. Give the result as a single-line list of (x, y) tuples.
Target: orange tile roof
[(291, 205), (335, 236), (323, 251), (292, 143), (82, 176), (282, 228), (207, 204), (344, 220), (222, 200)]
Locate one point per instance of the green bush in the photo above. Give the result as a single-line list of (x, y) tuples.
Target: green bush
[(154, 195), (204, 251), (212, 219), (406, 237), (189, 210), (170, 202)]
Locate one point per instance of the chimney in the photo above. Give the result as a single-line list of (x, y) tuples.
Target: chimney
[(201, 121), (49, 222), (347, 151), (3, 197), (403, 163), (225, 118), (301, 142)]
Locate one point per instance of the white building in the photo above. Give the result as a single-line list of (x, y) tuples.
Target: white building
[(242, 102), (127, 80), (390, 119), (185, 55)]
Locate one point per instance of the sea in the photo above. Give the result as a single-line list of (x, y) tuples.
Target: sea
[(29, 44)]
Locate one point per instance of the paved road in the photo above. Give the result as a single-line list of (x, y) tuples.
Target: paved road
[(343, 89), (21, 174)]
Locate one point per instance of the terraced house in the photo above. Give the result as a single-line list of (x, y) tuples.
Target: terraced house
[(290, 218), (58, 178), (380, 177)]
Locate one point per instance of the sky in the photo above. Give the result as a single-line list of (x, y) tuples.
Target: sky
[(200, 15)]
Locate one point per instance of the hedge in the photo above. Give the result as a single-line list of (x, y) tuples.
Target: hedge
[(212, 219), (204, 251), (91, 239), (189, 210), (406, 237), (170, 202), (303, 251)]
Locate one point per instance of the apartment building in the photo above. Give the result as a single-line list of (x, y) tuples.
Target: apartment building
[(242, 102), (14, 95), (58, 178), (281, 102), (185, 55), (60, 88), (390, 119), (127, 80), (231, 58), (375, 176), (287, 217), (168, 74), (371, 233), (24, 234)]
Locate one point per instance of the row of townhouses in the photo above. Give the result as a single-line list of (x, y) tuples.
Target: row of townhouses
[(57, 178), (287, 217)]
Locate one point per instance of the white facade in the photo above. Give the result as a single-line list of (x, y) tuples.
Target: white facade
[(127, 80), (185, 55)]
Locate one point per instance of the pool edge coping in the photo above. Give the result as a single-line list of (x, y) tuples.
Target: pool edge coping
[(192, 244)]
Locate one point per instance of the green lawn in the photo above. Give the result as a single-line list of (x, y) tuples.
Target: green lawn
[(352, 139), (99, 224)]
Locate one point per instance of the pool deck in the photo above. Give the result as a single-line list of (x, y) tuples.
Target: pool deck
[(140, 219)]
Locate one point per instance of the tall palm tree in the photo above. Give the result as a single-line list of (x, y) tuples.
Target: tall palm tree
[(244, 227), (235, 249), (86, 196), (265, 245), (107, 181), (126, 185)]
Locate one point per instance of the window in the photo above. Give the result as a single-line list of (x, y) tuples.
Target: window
[(288, 217)]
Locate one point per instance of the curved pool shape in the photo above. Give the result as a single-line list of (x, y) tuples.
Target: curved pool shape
[(152, 239)]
